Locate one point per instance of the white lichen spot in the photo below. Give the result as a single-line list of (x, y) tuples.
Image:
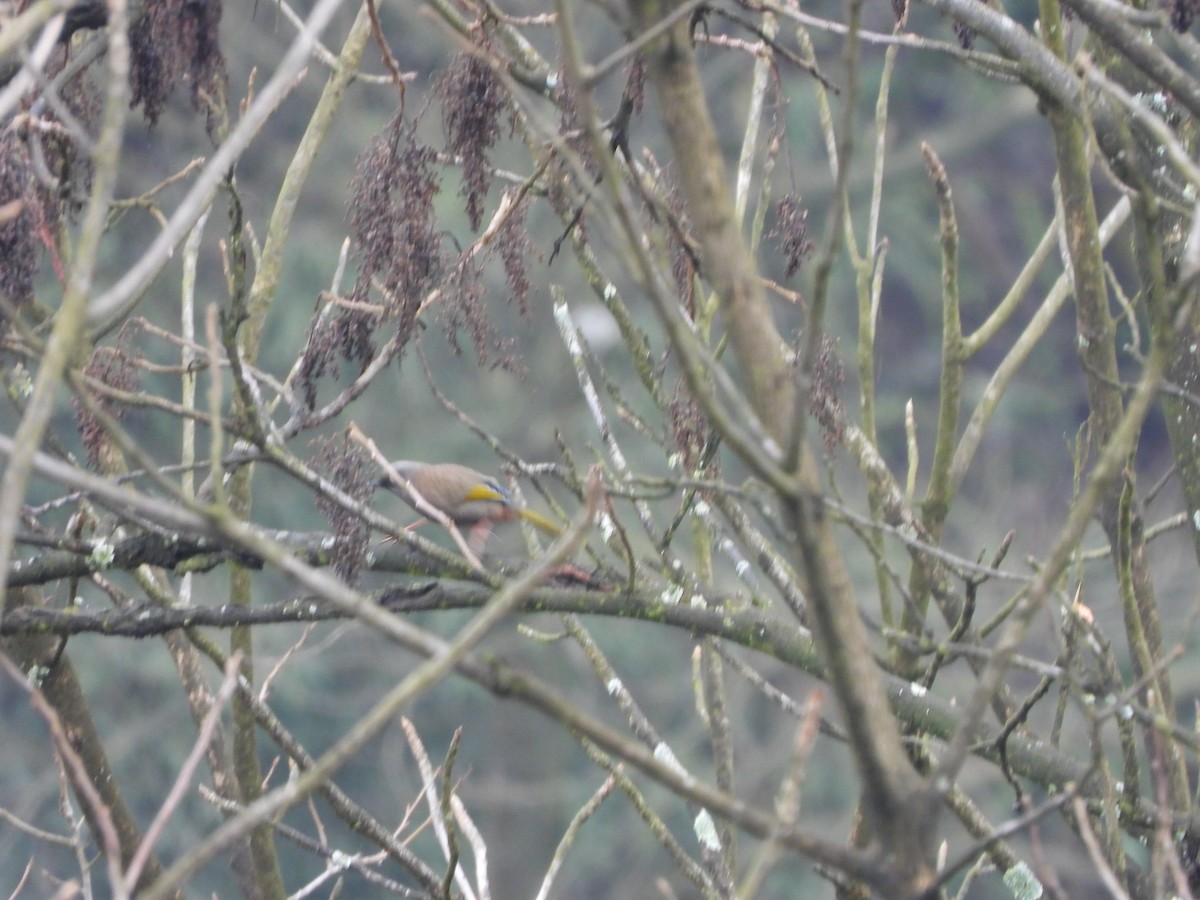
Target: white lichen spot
[(610, 291), (613, 686), (37, 674), (671, 595), (675, 460), (313, 609), (552, 82), (1083, 342), (706, 831), (698, 602), (1023, 883), (607, 528), (22, 383), (566, 329), (1156, 101), (339, 861), (667, 757), (1125, 712), (702, 508), (102, 556), (918, 690), (1196, 520), (742, 568)]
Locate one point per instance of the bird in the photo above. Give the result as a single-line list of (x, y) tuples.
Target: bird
[(468, 498)]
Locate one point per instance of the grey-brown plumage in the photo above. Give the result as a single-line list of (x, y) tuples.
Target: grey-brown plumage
[(467, 497)]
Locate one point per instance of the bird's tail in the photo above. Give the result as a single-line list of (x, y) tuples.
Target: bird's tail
[(539, 521)]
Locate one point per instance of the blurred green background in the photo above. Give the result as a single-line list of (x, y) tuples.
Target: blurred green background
[(520, 776)]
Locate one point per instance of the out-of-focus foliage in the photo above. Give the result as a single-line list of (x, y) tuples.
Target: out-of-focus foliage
[(883, 584)]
